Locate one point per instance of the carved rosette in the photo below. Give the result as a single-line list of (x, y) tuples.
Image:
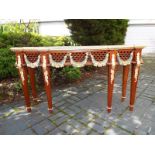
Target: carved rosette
[(45, 72), (30, 64), (138, 62), (20, 68)]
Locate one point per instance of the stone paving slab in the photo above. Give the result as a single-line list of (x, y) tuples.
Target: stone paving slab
[(81, 109)]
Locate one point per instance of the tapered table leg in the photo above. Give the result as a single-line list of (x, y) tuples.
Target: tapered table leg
[(32, 82), (124, 81), (111, 76), (135, 68), (134, 80), (24, 79), (46, 74)]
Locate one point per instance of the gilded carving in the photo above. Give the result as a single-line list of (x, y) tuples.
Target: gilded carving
[(19, 66), (30, 64), (99, 63), (57, 64), (113, 64), (44, 65), (138, 61), (124, 62), (78, 64)]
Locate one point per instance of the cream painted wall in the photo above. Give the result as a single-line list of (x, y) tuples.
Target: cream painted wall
[(141, 32), (54, 28)]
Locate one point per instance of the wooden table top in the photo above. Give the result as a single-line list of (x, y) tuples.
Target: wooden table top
[(74, 48)]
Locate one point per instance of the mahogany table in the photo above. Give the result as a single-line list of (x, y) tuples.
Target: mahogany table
[(28, 58)]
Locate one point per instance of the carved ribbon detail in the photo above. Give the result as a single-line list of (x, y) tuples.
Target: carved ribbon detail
[(57, 64), (78, 64), (99, 63), (30, 64), (124, 62), (74, 63)]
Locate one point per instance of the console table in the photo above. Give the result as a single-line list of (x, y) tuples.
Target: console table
[(28, 58)]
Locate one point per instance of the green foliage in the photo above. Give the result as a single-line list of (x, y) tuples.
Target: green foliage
[(7, 64), (71, 73), (14, 36), (56, 41), (19, 35), (97, 31), (21, 27), (11, 39), (18, 86)]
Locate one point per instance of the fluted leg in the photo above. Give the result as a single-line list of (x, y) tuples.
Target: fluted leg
[(111, 75), (124, 81), (32, 82), (24, 78), (134, 80), (46, 74)]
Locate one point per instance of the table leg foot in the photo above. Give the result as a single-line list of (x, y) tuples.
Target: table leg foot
[(109, 110), (50, 110), (131, 109), (123, 99), (28, 109)]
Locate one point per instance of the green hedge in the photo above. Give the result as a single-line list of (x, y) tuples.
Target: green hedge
[(19, 39), (71, 73), (11, 39), (97, 31), (7, 64), (14, 39)]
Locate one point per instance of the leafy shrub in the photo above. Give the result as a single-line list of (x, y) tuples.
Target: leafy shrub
[(21, 27), (9, 39), (97, 31), (20, 39), (7, 64), (17, 86), (71, 73), (13, 35), (56, 41)]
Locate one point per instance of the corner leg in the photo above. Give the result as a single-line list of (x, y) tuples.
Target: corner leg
[(111, 75), (134, 80), (32, 82), (24, 78), (124, 81), (46, 74)]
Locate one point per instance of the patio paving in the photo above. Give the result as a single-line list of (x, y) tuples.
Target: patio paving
[(81, 109)]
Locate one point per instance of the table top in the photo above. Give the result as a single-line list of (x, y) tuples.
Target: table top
[(74, 48)]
